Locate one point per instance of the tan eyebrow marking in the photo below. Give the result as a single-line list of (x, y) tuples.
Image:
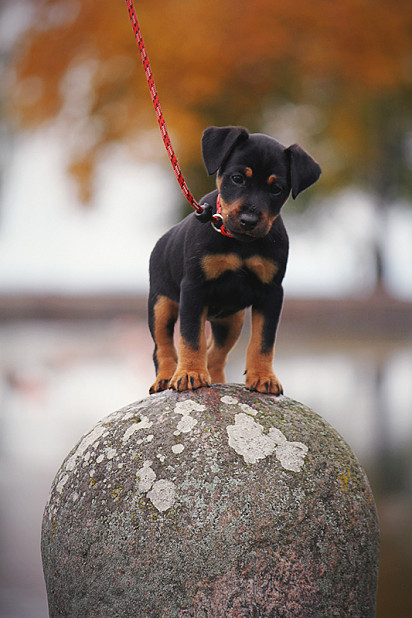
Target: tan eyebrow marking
[(272, 178), (248, 172)]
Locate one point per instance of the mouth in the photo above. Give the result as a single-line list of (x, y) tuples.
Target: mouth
[(246, 235)]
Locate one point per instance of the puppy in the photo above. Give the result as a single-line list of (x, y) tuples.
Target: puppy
[(201, 271)]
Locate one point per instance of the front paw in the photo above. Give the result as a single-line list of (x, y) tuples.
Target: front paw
[(183, 380), (268, 384), (161, 384)]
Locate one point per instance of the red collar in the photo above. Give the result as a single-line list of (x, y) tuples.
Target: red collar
[(217, 220)]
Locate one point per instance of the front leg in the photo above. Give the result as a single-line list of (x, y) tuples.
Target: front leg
[(259, 358), (191, 371), (162, 318)]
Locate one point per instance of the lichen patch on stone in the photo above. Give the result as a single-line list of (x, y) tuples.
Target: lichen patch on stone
[(248, 409), (189, 405), (277, 436), (144, 423), (248, 439), (162, 495), (90, 439), (228, 400), (145, 477), (187, 422), (291, 455), (61, 483), (232, 401)]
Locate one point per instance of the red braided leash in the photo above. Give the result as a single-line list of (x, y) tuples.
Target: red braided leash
[(159, 114)]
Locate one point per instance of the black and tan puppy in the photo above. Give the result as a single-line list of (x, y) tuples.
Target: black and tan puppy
[(200, 271)]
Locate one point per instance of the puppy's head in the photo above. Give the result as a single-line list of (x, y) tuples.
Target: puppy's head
[(255, 175)]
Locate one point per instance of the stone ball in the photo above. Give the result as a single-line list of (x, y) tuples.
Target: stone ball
[(218, 502)]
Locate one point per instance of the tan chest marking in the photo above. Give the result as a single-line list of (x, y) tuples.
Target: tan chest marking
[(264, 269), (215, 265)]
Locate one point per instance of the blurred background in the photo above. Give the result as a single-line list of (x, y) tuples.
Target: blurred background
[(86, 189)]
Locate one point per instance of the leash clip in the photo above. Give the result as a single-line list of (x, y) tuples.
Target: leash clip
[(205, 214), (216, 220)]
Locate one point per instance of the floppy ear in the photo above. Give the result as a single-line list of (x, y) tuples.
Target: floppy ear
[(218, 143), (304, 170)]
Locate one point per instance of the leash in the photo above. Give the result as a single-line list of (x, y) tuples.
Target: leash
[(203, 211)]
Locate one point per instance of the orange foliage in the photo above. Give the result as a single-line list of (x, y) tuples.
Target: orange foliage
[(214, 63)]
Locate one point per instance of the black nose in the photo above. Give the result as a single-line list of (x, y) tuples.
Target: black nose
[(248, 220)]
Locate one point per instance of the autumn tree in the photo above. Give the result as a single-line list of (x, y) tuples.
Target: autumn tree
[(336, 74)]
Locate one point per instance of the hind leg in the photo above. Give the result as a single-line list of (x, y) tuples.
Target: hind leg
[(163, 314), (225, 333)]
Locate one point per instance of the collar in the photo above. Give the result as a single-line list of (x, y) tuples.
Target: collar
[(217, 220)]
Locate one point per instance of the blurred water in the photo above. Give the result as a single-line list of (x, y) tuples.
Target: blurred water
[(59, 378)]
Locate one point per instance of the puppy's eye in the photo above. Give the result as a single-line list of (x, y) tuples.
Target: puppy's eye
[(238, 179), (275, 189)]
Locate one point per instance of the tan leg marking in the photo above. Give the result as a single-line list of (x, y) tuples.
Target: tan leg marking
[(165, 311), (191, 371), (217, 355), (259, 366)]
